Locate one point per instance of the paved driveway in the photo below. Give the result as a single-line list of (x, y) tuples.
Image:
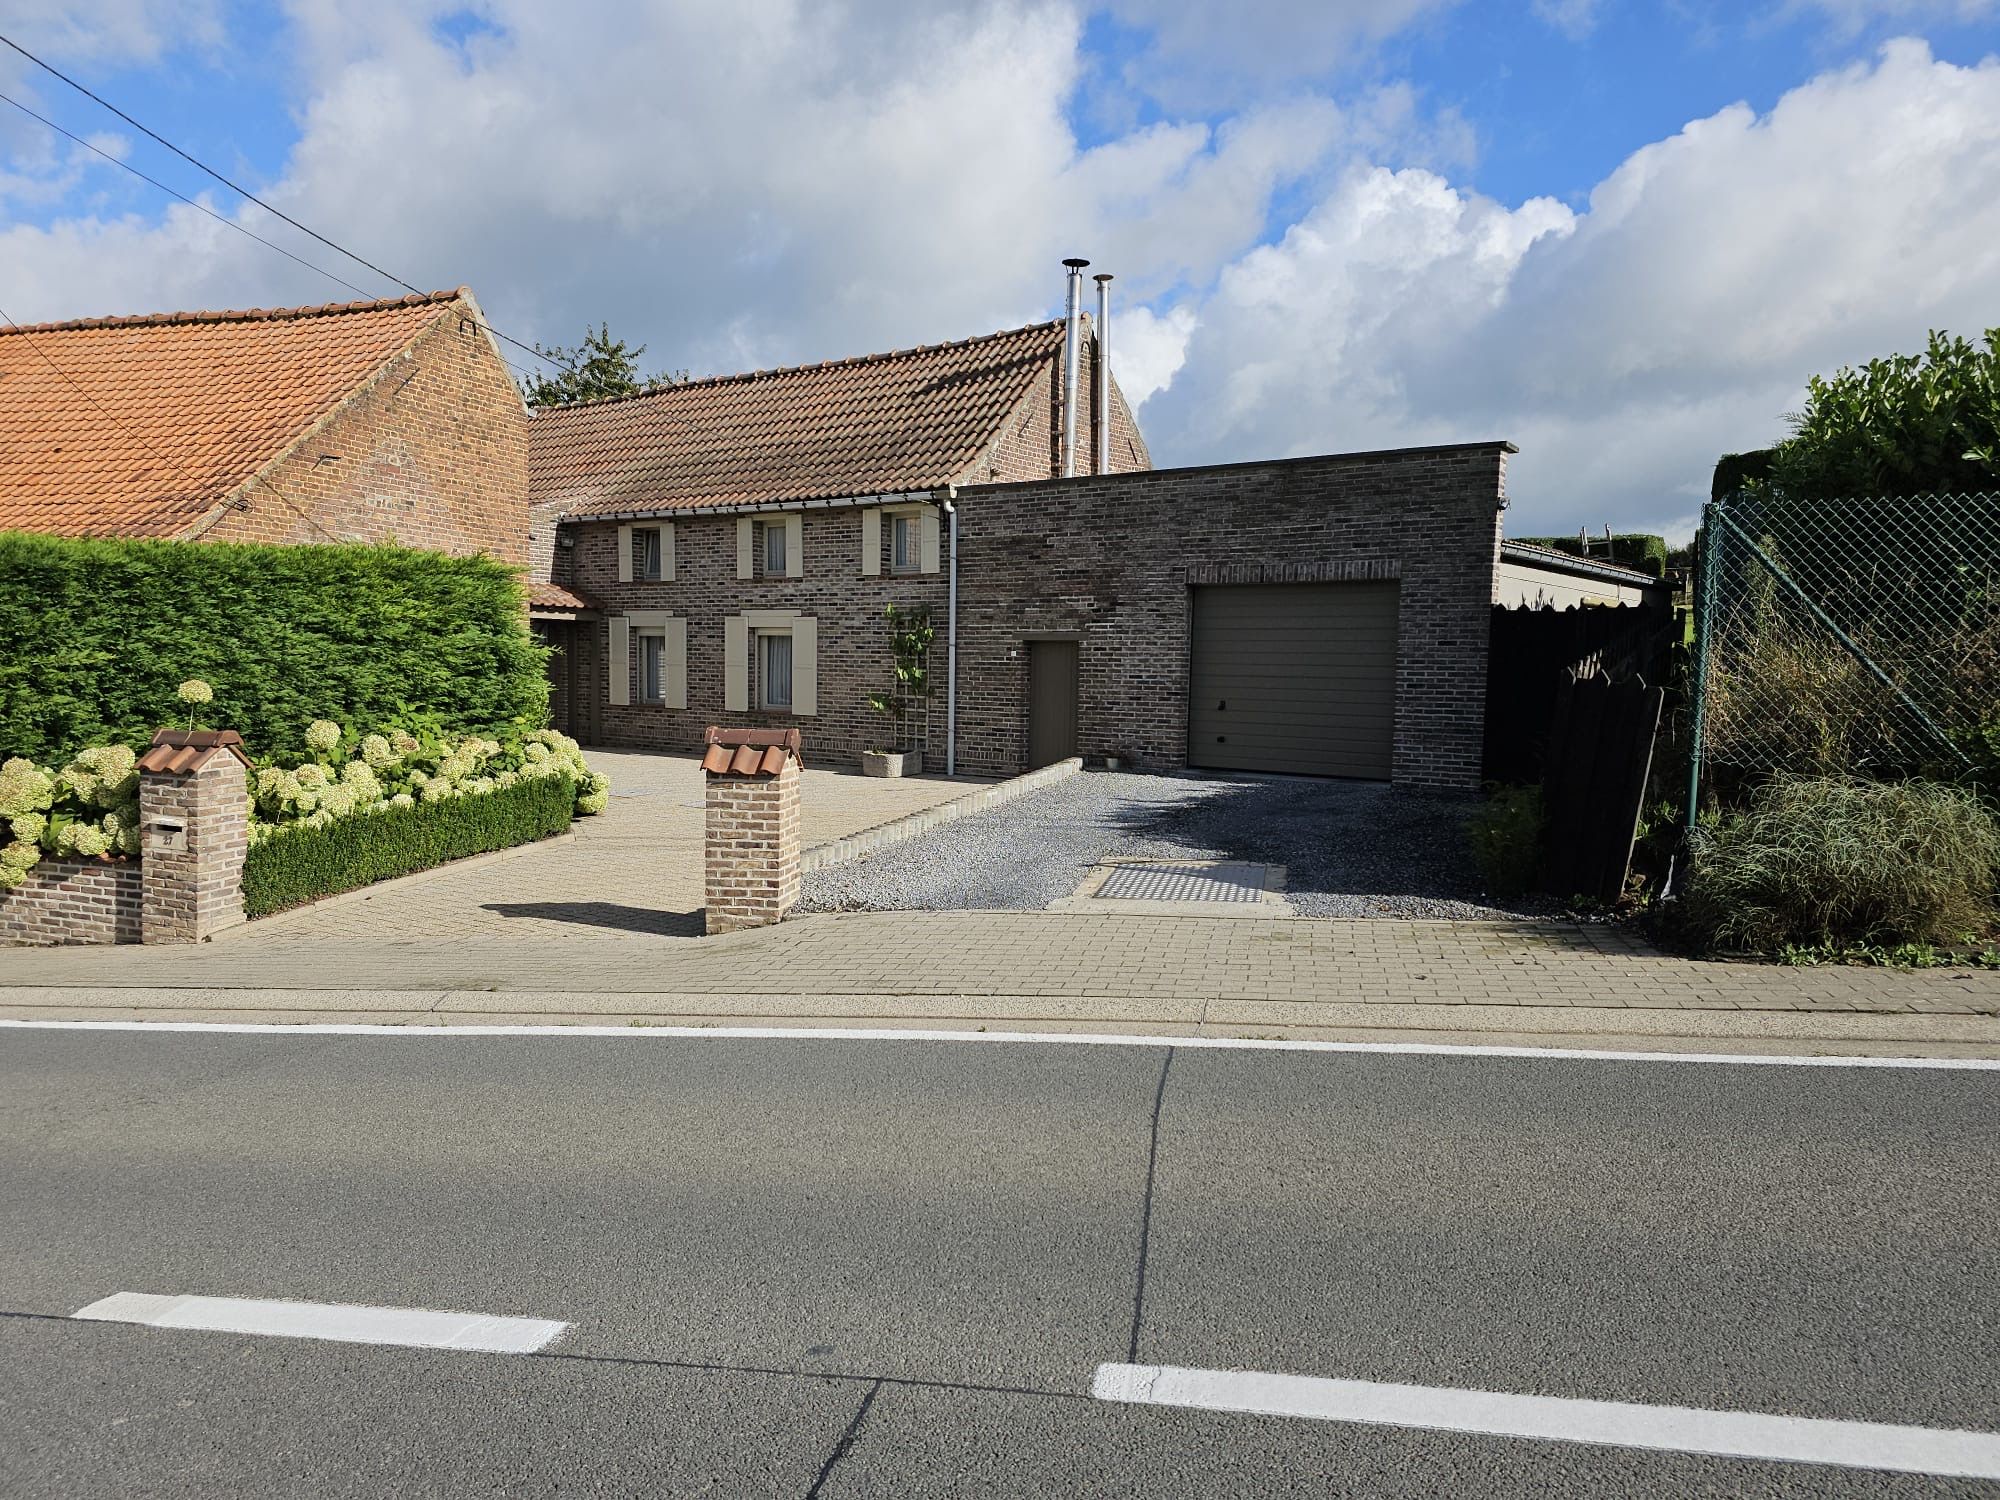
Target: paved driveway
[(636, 867), (1350, 848)]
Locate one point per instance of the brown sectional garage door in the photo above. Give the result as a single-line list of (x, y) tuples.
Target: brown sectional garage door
[(1294, 677)]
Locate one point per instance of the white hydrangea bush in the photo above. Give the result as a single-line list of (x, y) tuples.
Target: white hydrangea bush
[(87, 809), (395, 768)]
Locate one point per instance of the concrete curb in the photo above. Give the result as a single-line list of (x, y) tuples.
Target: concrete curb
[(1966, 1036), (854, 845)]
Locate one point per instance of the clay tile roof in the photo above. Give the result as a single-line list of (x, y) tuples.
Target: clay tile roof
[(881, 424), (137, 426), (555, 596), (178, 752)]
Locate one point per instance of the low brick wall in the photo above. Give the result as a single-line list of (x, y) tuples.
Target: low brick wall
[(73, 901)]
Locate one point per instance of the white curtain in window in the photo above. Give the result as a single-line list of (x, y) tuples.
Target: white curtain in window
[(777, 650), (652, 648), (774, 549)]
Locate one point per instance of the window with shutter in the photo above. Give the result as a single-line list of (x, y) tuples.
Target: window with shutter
[(774, 662)]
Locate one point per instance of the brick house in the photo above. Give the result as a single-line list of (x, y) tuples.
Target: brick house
[(363, 421), (723, 552)]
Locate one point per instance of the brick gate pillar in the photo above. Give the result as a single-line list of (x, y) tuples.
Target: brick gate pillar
[(751, 854), (194, 830)]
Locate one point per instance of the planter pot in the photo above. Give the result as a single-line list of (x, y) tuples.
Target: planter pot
[(892, 762)]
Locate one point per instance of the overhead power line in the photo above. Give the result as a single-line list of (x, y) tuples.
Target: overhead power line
[(247, 195), (68, 380), (183, 197)]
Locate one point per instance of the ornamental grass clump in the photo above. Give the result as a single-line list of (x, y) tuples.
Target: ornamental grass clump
[(1834, 862)]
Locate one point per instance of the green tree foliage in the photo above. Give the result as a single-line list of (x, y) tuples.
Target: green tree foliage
[(600, 366), (97, 635), (1905, 425)]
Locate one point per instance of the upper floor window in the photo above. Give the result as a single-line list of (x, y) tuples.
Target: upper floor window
[(774, 549), (647, 553), (905, 544)]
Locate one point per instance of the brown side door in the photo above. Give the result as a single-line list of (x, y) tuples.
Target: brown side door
[(1052, 684)]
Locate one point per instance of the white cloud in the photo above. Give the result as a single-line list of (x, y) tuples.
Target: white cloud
[(1627, 346), (1851, 17), (799, 180), (1575, 19)]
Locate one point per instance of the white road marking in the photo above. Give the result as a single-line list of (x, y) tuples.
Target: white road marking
[(409, 1327), (1680, 1429), (1076, 1038)]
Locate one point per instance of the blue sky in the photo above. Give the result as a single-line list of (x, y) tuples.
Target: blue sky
[(1342, 224)]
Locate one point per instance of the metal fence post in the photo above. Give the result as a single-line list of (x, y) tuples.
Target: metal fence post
[(1708, 540)]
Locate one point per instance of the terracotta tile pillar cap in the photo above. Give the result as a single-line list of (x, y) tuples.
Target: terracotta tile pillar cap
[(751, 752)]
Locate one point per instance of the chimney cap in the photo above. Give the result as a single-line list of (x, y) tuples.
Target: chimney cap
[(1075, 264), (1102, 276)]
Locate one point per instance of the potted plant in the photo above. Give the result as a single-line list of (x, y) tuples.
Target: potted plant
[(906, 703)]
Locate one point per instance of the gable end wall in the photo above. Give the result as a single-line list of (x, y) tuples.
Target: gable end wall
[(432, 453)]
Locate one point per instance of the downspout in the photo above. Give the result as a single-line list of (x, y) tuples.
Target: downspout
[(1101, 402), (1073, 317), (951, 641)]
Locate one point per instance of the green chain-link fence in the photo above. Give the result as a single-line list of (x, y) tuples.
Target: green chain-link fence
[(1845, 637)]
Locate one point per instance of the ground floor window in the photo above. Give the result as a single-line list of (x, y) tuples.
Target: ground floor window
[(652, 669), (774, 669)]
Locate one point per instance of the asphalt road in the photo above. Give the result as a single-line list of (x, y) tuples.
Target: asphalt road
[(891, 1268)]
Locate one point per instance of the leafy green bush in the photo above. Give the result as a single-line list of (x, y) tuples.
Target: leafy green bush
[(305, 862), (87, 808), (1905, 425), (344, 776), (1506, 835), (95, 636), (1833, 862)]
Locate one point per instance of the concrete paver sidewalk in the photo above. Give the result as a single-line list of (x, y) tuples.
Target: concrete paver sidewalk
[(635, 867), (1017, 969)]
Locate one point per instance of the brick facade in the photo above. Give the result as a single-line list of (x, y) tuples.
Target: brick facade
[(1109, 561), (751, 852), (431, 452), (193, 882), (65, 901)]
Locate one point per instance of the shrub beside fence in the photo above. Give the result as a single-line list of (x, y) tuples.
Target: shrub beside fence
[(95, 635), (301, 864)]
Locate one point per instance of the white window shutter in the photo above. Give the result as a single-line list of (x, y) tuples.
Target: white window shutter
[(746, 547), (735, 664), (621, 659), (929, 539), (624, 554), (676, 653), (795, 550), (871, 542), (805, 665), (667, 552)]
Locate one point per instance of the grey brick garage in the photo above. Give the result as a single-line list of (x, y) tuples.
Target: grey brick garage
[(1113, 564)]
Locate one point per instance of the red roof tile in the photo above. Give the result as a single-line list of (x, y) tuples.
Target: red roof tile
[(881, 424), (555, 596), (137, 426)]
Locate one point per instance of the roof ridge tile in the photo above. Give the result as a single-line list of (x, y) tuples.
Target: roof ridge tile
[(239, 315)]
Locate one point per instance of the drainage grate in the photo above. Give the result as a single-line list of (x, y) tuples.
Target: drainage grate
[(1223, 881)]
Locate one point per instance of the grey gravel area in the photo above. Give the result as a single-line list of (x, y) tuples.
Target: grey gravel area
[(1351, 849)]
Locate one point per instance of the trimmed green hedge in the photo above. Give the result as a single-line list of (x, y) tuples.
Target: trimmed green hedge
[(302, 864), (1635, 549), (96, 634)]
